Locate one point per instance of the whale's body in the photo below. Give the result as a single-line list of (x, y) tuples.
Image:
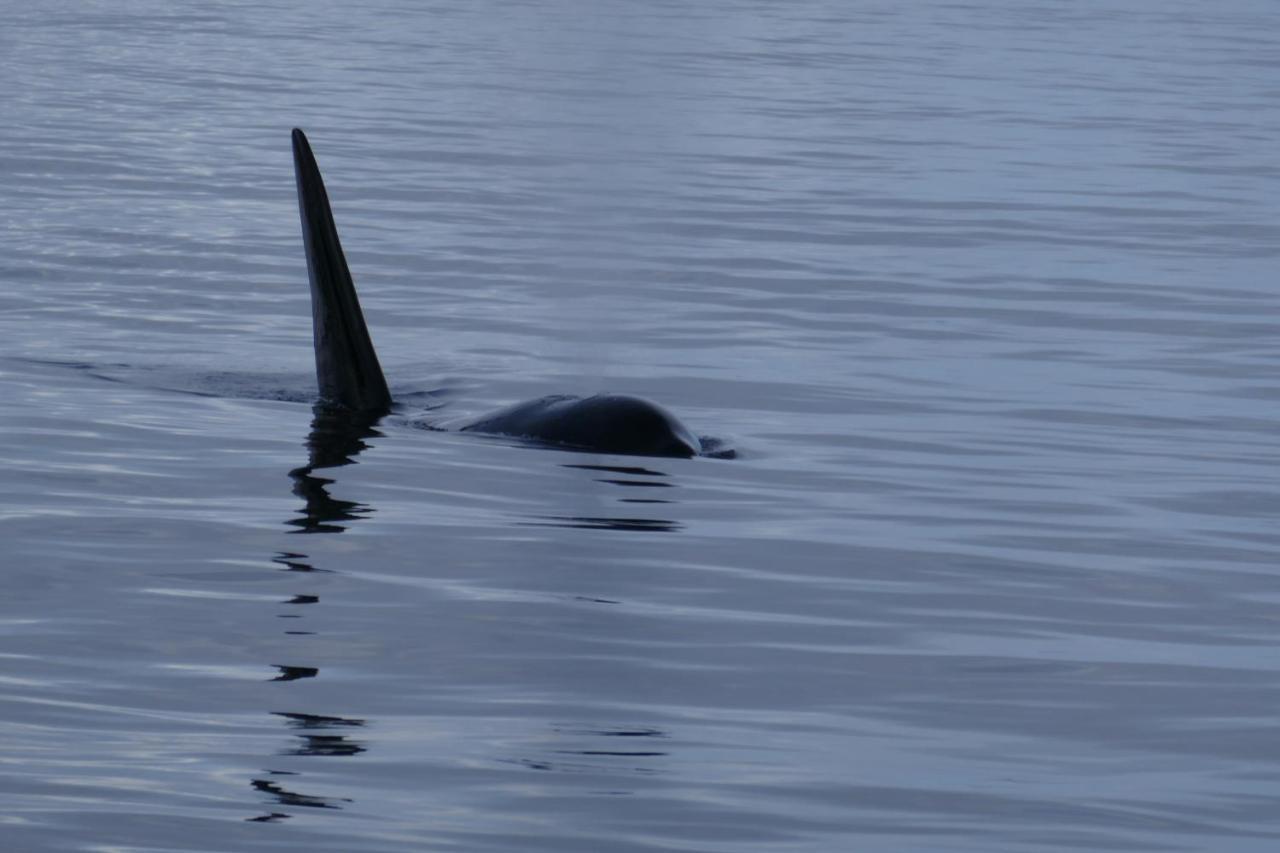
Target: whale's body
[(609, 423), (349, 376)]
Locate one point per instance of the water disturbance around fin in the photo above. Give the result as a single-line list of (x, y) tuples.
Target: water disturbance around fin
[(347, 368)]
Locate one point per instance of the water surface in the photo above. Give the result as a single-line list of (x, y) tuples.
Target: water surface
[(983, 294)]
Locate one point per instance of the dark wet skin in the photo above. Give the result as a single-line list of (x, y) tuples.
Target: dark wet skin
[(350, 377), (608, 423)]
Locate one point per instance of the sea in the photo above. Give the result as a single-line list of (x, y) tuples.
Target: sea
[(980, 299)]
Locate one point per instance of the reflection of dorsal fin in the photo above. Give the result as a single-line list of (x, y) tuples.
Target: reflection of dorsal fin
[(347, 368)]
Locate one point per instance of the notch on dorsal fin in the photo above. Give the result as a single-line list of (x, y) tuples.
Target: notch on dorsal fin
[(347, 368)]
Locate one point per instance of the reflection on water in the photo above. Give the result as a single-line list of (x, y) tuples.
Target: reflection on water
[(298, 600), (600, 750), (618, 469), (286, 797), (316, 741), (336, 438), (634, 477), (294, 561), (651, 525), (293, 673)]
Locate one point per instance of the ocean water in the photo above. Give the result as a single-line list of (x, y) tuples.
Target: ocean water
[(983, 294)]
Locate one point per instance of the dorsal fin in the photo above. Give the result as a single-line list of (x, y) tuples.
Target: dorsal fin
[(347, 368)]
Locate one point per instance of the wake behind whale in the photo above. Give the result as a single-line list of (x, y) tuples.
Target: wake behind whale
[(349, 376)]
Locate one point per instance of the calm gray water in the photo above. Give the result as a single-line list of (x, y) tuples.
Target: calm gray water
[(984, 295)]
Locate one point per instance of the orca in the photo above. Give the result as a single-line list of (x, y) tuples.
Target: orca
[(349, 376)]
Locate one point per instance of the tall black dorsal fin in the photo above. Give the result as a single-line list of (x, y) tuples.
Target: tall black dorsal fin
[(347, 368)]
